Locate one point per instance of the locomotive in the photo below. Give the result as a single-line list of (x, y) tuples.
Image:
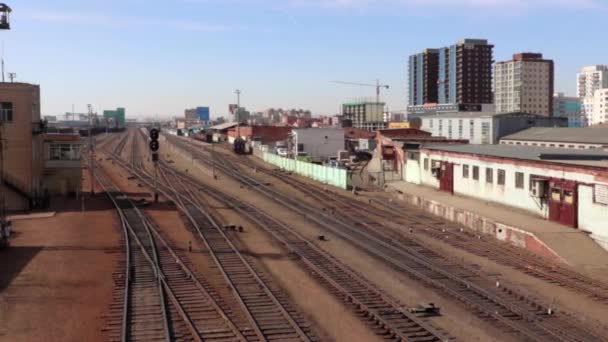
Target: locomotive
[(241, 146)]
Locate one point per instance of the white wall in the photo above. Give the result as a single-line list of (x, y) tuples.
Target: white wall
[(506, 194), (320, 143), (412, 171), (431, 124), (592, 216)]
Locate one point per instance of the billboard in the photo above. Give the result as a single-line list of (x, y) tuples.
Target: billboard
[(202, 113)]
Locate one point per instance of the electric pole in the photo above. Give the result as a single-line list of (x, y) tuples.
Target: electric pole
[(238, 112), (91, 151)]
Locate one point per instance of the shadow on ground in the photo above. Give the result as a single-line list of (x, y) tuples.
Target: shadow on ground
[(13, 260)]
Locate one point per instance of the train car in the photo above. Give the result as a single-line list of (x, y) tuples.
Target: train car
[(241, 146)]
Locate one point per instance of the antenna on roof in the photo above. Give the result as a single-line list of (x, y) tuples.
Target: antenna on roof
[(12, 76)]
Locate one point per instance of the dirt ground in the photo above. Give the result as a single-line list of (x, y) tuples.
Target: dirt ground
[(56, 276), (333, 320), (459, 322)]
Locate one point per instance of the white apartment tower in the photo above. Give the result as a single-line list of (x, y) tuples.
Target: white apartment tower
[(589, 81), (599, 114), (524, 84)]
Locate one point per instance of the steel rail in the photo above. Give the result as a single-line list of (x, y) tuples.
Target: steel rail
[(308, 252), (538, 331)]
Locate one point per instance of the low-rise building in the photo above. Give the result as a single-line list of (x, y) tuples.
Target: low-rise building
[(576, 138), (319, 144), (565, 186), (62, 164), (262, 135), (485, 128), (569, 107)]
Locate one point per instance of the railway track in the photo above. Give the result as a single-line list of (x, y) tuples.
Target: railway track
[(452, 234), (521, 315), (271, 317), (159, 297)]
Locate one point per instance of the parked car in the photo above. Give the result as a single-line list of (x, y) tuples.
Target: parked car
[(282, 151)]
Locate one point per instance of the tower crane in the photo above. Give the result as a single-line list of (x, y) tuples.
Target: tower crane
[(378, 86)]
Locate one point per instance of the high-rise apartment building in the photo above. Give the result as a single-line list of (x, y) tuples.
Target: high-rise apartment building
[(366, 115), (524, 84), (590, 79), (599, 115), (423, 71), (465, 72)]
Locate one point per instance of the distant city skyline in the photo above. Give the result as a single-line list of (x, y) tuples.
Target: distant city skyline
[(156, 59)]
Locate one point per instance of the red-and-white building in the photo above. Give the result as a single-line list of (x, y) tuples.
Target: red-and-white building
[(562, 185)]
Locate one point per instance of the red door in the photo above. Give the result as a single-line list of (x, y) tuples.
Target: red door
[(563, 202), (446, 177)]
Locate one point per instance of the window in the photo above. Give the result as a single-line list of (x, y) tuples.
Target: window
[(426, 163), (500, 177), (465, 171), (476, 172), (519, 180), (489, 175), (64, 152), (6, 111)]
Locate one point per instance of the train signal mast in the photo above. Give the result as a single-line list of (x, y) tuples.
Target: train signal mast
[(154, 146)]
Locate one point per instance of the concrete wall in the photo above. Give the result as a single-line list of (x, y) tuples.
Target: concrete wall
[(324, 174), (320, 143), (23, 151), (592, 217), (506, 194), (431, 124)]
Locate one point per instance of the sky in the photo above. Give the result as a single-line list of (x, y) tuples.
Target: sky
[(161, 57)]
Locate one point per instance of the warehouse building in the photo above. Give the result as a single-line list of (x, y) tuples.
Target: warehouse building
[(578, 138), (485, 127), (565, 186)]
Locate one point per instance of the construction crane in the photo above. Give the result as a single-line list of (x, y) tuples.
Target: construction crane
[(378, 86)]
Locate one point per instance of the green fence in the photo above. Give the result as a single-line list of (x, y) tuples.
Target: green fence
[(328, 175)]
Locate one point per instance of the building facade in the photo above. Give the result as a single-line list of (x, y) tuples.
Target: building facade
[(22, 148), (569, 191), (589, 80), (423, 71), (319, 144), (599, 109), (117, 116), (465, 72), (485, 128), (524, 84), (366, 115), (568, 107)]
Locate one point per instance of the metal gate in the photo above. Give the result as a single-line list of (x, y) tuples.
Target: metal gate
[(563, 202), (446, 177)]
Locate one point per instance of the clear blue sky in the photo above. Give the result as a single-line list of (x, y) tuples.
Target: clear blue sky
[(163, 56)]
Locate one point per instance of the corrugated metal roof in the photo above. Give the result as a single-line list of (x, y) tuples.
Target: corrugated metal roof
[(566, 135), (527, 153)]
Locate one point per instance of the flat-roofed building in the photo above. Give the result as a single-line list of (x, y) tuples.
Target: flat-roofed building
[(575, 138), (22, 152), (566, 186), (524, 84)]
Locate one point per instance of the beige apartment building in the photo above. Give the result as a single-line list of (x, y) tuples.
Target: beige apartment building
[(22, 147), (524, 84)]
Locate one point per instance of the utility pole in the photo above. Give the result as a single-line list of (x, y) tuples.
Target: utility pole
[(91, 151), (238, 111)]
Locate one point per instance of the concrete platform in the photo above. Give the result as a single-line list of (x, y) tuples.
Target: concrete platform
[(517, 227)]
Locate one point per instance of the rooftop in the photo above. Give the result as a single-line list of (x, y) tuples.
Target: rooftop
[(559, 134), (224, 126), (473, 115), (597, 158)]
